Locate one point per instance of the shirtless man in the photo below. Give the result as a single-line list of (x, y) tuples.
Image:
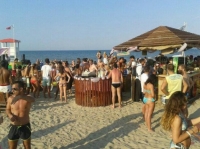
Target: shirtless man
[(92, 67), (85, 65), (5, 79), (117, 81), (100, 64), (17, 109)]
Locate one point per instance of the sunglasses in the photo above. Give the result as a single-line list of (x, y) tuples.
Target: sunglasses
[(14, 89)]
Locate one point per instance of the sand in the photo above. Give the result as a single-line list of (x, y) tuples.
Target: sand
[(58, 125)]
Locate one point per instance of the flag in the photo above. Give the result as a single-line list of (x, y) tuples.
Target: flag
[(8, 28)]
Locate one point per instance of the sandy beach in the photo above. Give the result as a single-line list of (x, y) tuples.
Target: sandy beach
[(58, 125)]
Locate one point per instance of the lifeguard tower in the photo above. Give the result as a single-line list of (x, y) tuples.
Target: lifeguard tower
[(9, 46)]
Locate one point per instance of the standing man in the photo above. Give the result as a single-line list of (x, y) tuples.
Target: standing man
[(5, 79), (92, 67), (117, 82), (17, 109), (85, 65), (173, 82), (46, 77)]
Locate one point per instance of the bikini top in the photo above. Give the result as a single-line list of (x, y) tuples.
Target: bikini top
[(184, 121), (148, 91)]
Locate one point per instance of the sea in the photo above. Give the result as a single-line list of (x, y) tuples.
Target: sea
[(70, 55)]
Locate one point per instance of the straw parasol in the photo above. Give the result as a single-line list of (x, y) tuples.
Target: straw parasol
[(161, 38)]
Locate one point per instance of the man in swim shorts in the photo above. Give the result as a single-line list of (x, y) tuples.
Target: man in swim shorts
[(5, 79), (17, 110), (117, 81)]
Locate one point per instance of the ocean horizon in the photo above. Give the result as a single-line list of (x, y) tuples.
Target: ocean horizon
[(70, 55)]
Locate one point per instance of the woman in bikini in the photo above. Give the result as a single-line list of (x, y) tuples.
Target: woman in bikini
[(63, 82), (69, 72), (34, 75), (174, 120), (149, 100)]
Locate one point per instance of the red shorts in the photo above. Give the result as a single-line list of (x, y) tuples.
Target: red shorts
[(33, 81)]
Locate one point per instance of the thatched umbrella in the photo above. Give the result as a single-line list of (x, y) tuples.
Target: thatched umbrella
[(161, 38)]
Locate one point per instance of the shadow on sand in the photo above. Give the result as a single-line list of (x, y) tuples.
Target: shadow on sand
[(100, 139), (49, 130)]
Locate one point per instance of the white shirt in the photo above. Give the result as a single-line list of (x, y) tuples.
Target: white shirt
[(139, 71), (143, 78), (133, 64), (105, 60), (46, 70)]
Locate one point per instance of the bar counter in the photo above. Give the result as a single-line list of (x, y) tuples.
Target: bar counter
[(93, 92), (195, 91)]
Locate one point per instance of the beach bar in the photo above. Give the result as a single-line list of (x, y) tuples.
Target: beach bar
[(194, 92), (93, 92), (167, 40)]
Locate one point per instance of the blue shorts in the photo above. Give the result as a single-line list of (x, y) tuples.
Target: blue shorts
[(146, 99), (46, 81)]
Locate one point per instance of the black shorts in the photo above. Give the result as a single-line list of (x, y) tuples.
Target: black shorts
[(23, 132), (116, 85)]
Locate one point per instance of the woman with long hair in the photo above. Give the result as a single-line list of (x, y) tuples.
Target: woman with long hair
[(34, 80), (174, 120), (62, 82), (70, 78), (149, 101)]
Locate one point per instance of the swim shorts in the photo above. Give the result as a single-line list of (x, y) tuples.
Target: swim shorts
[(23, 132), (46, 81)]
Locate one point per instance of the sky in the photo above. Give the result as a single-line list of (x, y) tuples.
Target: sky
[(91, 24)]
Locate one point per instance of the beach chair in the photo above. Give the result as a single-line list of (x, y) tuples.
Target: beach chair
[(2, 102)]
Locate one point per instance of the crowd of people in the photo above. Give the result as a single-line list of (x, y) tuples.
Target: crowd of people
[(30, 79)]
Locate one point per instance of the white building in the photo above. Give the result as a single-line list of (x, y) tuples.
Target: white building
[(10, 46)]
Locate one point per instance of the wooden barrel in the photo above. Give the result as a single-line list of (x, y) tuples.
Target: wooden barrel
[(91, 93)]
